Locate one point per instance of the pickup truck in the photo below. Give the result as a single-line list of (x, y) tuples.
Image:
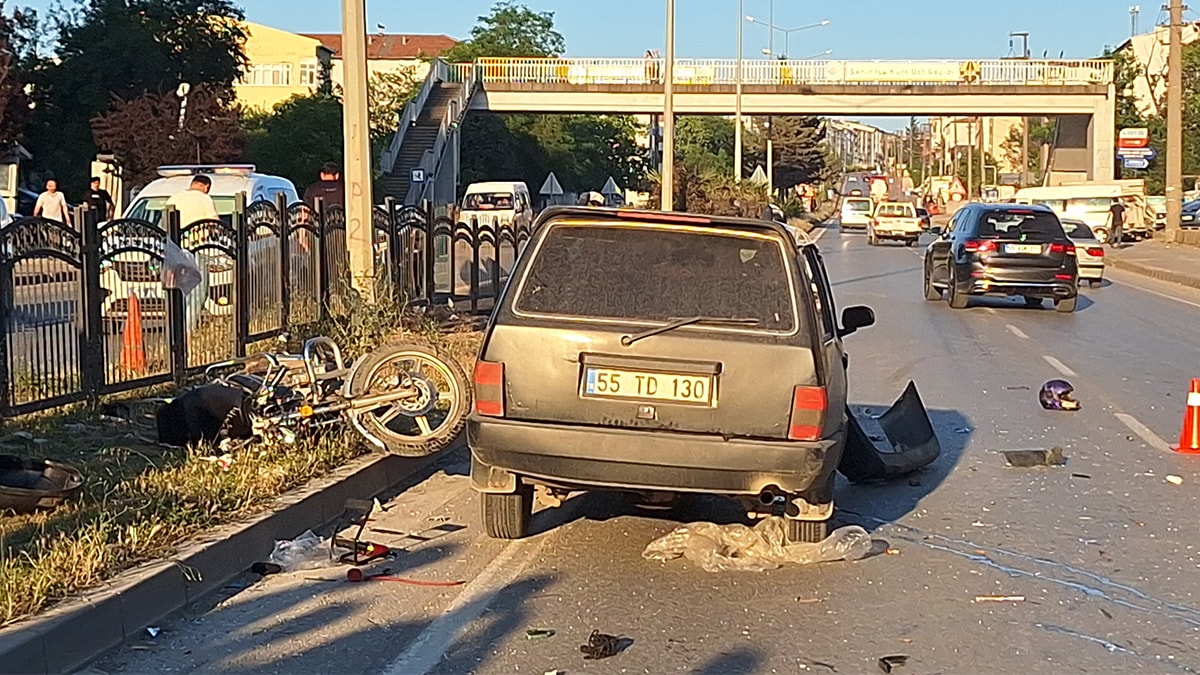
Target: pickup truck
[(896, 221)]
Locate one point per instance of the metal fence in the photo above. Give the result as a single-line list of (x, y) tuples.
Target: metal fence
[(84, 310)]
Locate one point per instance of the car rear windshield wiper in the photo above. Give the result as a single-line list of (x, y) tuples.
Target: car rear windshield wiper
[(628, 340)]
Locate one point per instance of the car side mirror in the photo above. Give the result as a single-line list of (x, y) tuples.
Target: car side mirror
[(854, 318), (936, 231)]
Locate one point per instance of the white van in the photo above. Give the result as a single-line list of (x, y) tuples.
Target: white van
[(1090, 203), (134, 273), (502, 202)]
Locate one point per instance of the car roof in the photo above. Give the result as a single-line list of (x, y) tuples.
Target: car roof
[(223, 185), (614, 216), (495, 186)]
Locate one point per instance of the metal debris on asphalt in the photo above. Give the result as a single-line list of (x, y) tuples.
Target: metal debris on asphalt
[(1175, 480), (153, 631), (600, 646), (1025, 459), (1080, 475), (887, 663), (539, 633)]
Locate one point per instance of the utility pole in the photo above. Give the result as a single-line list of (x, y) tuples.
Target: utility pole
[(1024, 150), (668, 169), (1134, 10), (1175, 118), (983, 145), (737, 115), (970, 157), (359, 239)]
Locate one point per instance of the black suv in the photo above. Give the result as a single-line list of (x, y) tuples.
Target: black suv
[(662, 353), (1002, 249)]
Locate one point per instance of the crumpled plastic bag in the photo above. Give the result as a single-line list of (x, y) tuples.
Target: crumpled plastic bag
[(738, 548), (306, 552), (179, 269)]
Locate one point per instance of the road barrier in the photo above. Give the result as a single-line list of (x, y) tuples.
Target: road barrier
[(71, 301)]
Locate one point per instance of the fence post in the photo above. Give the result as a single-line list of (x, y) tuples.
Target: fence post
[(6, 303), (395, 251), (322, 275), (92, 361), (430, 287), (285, 264), (475, 244), (175, 308), (241, 278)]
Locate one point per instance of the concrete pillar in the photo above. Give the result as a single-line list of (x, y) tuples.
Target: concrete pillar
[(1102, 140)]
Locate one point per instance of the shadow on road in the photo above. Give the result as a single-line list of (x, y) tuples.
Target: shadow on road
[(742, 660)]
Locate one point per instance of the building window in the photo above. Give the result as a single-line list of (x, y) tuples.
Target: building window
[(270, 75), (310, 74)]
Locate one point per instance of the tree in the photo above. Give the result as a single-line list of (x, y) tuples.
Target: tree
[(14, 104), (149, 131), (510, 30), (120, 50), (801, 156), (387, 94), (297, 137), (705, 142)]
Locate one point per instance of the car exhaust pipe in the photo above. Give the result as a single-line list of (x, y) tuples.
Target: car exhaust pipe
[(771, 496)]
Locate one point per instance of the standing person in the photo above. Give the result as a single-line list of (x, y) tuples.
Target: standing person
[(329, 189), (52, 205), (1116, 221), (99, 200), (194, 204)]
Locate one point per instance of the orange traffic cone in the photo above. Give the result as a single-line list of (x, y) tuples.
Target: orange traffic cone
[(133, 349), (1189, 438)]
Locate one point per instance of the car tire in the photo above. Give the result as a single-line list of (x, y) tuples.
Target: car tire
[(506, 516), (1101, 235), (955, 299), (1066, 305), (910, 242), (807, 531), (932, 293)]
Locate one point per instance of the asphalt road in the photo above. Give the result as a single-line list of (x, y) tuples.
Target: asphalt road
[(1103, 549)]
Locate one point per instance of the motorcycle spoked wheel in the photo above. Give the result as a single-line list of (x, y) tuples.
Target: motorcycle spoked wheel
[(422, 422)]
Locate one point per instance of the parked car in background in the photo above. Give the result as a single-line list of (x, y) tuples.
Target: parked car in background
[(1191, 214), (926, 220), (1157, 205), (856, 213), (895, 221), (1006, 250), (1089, 251)]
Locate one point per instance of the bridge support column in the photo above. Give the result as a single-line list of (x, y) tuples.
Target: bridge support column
[(1102, 137)]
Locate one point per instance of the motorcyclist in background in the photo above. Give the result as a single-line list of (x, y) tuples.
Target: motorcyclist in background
[(591, 199)]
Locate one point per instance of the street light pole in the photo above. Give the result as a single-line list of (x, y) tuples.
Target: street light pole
[(737, 115), (1175, 118), (668, 171), (357, 172)]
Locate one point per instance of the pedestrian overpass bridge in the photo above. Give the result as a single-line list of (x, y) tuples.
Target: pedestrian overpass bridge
[(1080, 93)]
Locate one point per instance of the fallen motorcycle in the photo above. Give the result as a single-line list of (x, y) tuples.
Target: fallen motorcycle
[(403, 398)]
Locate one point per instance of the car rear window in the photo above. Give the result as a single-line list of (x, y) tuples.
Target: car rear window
[(1019, 223), (1077, 230), (899, 210), (657, 273), (859, 204)]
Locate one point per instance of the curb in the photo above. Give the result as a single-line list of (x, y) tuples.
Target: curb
[(76, 631), (1189, 280)]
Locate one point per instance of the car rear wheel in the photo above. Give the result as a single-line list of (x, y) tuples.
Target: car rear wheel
[(910, 242), (807, 531), (931, 292), (955, 299), (1066, 305), (1101, 234), (506, 516)]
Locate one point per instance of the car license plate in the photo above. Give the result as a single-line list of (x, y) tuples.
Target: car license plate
[(1023, 248), (643, 386)]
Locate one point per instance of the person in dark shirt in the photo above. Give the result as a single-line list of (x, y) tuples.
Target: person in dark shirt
[(99, 200), (329, 189), (1116, 215)]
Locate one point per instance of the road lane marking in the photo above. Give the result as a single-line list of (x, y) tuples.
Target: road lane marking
[(1059, 366), (1162, 295), (1152, 439), (426, 652), (1016, 331)]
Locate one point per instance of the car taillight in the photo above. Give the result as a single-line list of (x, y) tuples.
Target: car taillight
[(808, 413), (1095, 251), (1065, 277), (980, 247), (1068, 249), (489, 388)]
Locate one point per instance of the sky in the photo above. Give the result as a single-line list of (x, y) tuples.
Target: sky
[(858, 29)]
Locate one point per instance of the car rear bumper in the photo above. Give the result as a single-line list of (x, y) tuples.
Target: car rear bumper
[(607, 458), (1091, 271)]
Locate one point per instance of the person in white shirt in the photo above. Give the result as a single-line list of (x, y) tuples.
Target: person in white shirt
[(194, 204), (52, 205)]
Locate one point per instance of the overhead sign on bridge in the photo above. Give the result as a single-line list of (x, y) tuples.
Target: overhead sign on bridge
[(894, 71)]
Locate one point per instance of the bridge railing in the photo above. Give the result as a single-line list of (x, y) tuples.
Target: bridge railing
[(994, 72)]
